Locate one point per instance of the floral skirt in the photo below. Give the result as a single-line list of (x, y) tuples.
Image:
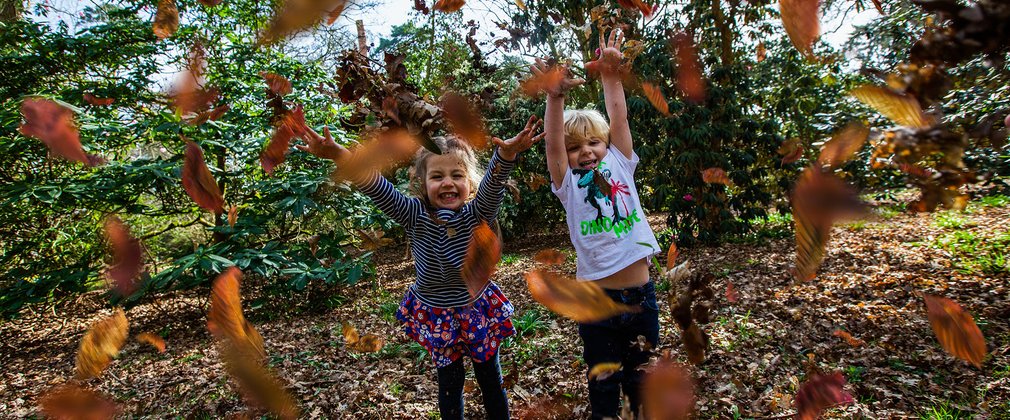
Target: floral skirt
[(450, 333)]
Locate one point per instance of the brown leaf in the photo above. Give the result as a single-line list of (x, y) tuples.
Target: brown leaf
[(464, 119), (96, 101), (100, 344), (368, 343), (549, 81), (257, 382), (276, 84), (210, 3), (843, 145), (127, 257), (166, 19), (640, 5), (715, 176), (225, 320), (536, 181), (955, 330), (667, 390), (232, 215), (291, 125), (54, 125), (294, 16), (211, 115), (898, 107), (761, 51), (818, 200), (671, 255), (549, 257), (372, 240), (188, 93), (198, 182), (689, 78), (791, 150), (601, 371), (421, 7), (578, 301), (153, 340), (377, 152), (731, 294), (656, 98), (448, 6), (72, 401), (801, 19), (520, 4), (819, 393), (334, 14), (482, 256), (853, 341), (695, 343)]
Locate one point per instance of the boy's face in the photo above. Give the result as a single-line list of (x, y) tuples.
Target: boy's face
[(446, 181), (585, 153)]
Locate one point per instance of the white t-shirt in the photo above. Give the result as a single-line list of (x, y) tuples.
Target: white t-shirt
[(609, 232)]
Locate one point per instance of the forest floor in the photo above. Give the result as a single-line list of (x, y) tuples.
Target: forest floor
[(762, 346)]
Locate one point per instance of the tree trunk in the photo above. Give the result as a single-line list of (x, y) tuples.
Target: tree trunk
[(725, 33)]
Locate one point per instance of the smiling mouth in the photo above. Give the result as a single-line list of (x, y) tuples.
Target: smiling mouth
[(588, 164), (448, 196)]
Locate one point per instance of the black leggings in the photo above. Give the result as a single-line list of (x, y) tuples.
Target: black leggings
[(450, 389)]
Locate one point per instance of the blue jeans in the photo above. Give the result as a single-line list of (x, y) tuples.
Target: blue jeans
[(450, 389), (614, 340)]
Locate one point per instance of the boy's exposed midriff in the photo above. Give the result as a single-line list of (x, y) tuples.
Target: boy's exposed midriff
[(634, 275)]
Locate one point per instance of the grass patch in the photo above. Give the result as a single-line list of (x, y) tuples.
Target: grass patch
[(944, 410), (887, 212), (994, 201), (507, 259), (952, 220), (975, 254), (773, 226)]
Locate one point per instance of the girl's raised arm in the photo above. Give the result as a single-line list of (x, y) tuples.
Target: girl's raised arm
[(492, 187)]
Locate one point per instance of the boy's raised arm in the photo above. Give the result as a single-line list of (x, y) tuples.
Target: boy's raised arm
[(613, 91), (554, 117)]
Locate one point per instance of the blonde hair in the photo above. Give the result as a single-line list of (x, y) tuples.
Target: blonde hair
[(583, 124), (448, 145)]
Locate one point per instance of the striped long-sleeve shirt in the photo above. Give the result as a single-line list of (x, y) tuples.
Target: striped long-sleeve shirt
[(439, 246)]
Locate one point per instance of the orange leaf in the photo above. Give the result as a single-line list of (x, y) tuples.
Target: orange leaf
[(100, 344), (636, 4), (549, 256), (715, 176), (152, 339), (257, 382), (601, 371), (820, 392), (465, 120), (731, 293), (818, 199), (579, 301), (276, 84), (334, 14), (853, 341), (166, 19), (689, 78), (291, 125), (761, 52), (448, 6), (372, 240), (898, 107), (791, 150), (671, 255), (550, 81), (96, 101), (801, 18), (667, 390), (656, 98), (377, 152), (843, 145), (368, 343), (72, 401), (520, 4), (54, 125), (198, 182), (210, 3), (232, 215), (127, 255), (225, 319), (297, 15), (211, 115), (955, 329), (536, 181), (482, 255)]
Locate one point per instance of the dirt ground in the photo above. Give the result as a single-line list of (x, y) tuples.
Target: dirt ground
[(762, 346)]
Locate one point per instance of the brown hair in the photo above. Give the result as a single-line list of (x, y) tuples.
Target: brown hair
[(448, 145)]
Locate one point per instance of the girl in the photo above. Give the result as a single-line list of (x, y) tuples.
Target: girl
[(437, 310), (592, 166)]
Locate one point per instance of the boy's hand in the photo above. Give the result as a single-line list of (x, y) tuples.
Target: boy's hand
[(610, 56), (508, 149), (323, 147), (554, 80)]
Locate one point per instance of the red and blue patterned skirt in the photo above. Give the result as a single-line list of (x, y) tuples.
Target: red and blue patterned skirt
[(450, 333)]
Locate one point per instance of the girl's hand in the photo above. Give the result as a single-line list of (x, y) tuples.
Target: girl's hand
[(609, 54), (553, 80), (508, 149), (323, 147)]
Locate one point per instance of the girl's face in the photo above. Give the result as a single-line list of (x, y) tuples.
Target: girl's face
[(446, 181), (585, 153)]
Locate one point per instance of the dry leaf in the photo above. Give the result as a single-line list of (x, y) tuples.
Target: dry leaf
[(210, 3), (166, 19), (72, 401), (678, 272), (853, 341), (955, 330), (100, 344), (378, 151), (536, 181), (715, 176), (294, 16), (372, 240), (640, 5), (448, 6), (901, 108), (153, 340), (334, 14), (54, 125), (96, 101), (801, 18), (731, 294), (257, 382), (761, 52), (225, 319), (482, 256), (188, 93), (461, 114), (601, 371), (667, 390), (127, 255), (791, 150), (198, 182), (368, 343), (818, 200), (291, 125), (671, 255), (695, 343), (549, 81), (277, 85), (656, 98), (549, 257), (578, 301), (520, 4), (232, 215), (843, 145), (820, 392), (689, 79)]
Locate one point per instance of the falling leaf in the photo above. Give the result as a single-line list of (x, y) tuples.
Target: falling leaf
[(377, 152), (536, 181), (601, 371), (715, 176), (198, 182), (210, 3), (520, 4), (257, 382), (761, 52), (853, 341), (901, 108), (667, 390), (153, 340), (879, 6), (211, 115), (466, 122), (421, 7), (188, 93), (843, 145), (689, 78), (581, 301), (915, 170), (291, 125), (671, 255), (818, 200), (293, 16), (791, 150), (72, 401), (677, 273), (819, 393), (448, 6), (731, 294), (482, 255), (656, 98), (368, 343), (513, 188), (126, 252), (801, 18), (166, 19), (96, 101), (232, 215), (100, 344), (276, 84), (372, 240), (54, 125), (955, 329), (549, 256), (225, 320), (636, 4), (334, 14), (549, 81), (695, 343)]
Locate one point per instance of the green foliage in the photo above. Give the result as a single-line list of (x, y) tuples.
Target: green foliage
[(977, 254)]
